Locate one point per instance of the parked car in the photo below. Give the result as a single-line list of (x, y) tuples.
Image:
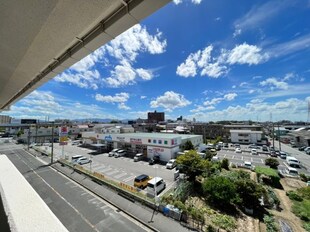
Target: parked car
[(273, 154), (171, 164), (138, 157), (155, 159), (253, 146), (112, 153), (293, 162), (254, 152), (302, 148), (83, 160), (155, 186), (289, 172), (226, 145), (283, 155), (215, 159), (75, 158), (119, 153), (265, 148), (141, 181), (238, 150)]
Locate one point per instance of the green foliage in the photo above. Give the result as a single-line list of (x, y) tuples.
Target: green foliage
[(249, 192), (304, 178), (304, 193), (183, 191), (219, 190), (270, 198), (307, 226), (236, 175), (293, 196), (225, 164), (218, 139), (188, 145), (271, 173), (271, 225), (272, 162), (302, 209), (19, 133), (223, 221)]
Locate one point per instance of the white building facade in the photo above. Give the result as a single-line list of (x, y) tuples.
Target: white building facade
[(246, 136), (165, 146)]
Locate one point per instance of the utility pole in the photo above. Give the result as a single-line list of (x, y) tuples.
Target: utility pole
[(279, 133), (272, 134), (52, 153)]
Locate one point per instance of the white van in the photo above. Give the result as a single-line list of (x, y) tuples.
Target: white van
[(292, 161), (119, 153), (171, 164), (155, 186), (75, 158)]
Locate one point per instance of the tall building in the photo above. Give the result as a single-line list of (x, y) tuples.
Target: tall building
[(4, 119), (155, 117)]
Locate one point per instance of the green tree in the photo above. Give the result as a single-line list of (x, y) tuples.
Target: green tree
[(219, 190), (188, 145), (225, 164), (272, 163), (19, 133), (249, 192)]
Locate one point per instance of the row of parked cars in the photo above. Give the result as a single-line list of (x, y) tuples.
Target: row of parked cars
[(305, 149), (153, 185)]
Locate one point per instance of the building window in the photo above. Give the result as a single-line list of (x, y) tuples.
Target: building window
[(154, 140), (149, 141), (159, 141), (166, 142)]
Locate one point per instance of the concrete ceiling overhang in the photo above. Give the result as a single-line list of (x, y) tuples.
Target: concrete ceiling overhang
[(41, 38)]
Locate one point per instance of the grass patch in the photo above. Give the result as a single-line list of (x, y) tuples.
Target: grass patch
[(270, 223), (271, 173), (223, 221), (302, 210)]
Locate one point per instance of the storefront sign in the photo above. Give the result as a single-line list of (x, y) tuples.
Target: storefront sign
[(135, 141), (108, 138), (121, 139)]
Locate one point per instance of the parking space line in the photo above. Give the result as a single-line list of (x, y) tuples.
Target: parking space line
[(128, 179), (251, 159), (111, 173), (262, 161), (242, 157), (225, 155), (106, 169), (233, 157), (120, 175)]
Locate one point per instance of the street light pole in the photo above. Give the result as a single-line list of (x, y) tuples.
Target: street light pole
[(52, 152)]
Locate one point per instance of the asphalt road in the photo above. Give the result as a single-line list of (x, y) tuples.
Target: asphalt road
[(76, 208)]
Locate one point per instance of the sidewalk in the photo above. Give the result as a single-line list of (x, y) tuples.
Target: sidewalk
[(136, 210)]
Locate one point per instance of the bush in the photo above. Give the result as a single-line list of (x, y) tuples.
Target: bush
[(272, 162), (220, 190), (303, 177), (307, 226), (271, 198), (224, 221), (271, 225), (273, 174), (304, 193), (293, 196), (225, 164)]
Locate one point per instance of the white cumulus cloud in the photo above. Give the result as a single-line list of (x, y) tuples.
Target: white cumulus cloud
[(246, 54), (119, 97), (274, 83), (170, 100)]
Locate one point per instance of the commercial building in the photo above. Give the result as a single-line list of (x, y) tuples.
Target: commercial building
[(301, 136), (163, 145), (246, 136), (208, 131)]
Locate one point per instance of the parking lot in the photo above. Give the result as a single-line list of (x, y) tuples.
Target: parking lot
[(122, 169)]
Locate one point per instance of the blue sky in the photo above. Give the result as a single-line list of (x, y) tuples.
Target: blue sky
[(203, 59)]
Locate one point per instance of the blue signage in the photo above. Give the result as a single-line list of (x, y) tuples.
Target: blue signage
[(108, 138)]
